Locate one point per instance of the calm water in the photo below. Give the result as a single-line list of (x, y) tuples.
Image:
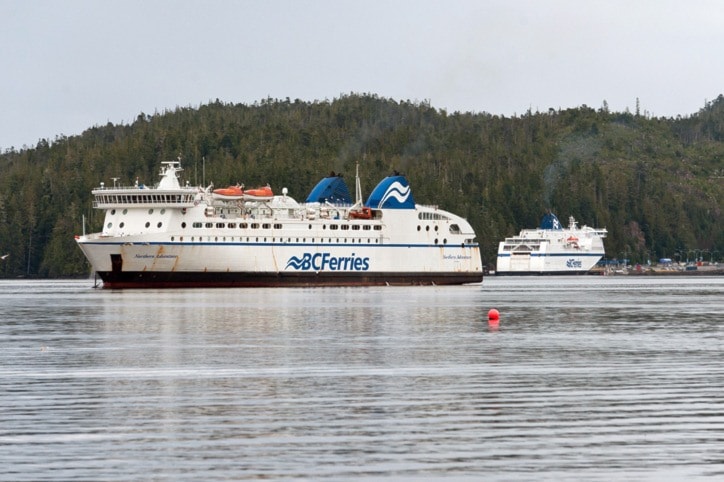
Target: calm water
[(587, 378)]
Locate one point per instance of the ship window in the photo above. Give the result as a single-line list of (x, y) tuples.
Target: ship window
[(266, 226), (344, 226), (209, 225), (150, 211), (378, 227), (147, 224), (255, 226), (220, 225), (231, 225), (277, 226), (181, 238), (159, 224), (310, 226), (243, 226), (333, 226), (355, 227), (436, 227), (435, 240), (110, 225), (427, 228), (113, 211), (121, 225), (163, 211), (454, 229), (418, 227), (172, 238), (444, 241), (183, 225), (366, 227), (125, 211), (197, 225)]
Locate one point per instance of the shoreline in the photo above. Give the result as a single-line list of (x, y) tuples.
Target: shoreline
[(661, 271)]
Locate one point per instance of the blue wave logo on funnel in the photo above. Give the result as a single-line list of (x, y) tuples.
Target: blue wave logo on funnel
[(393, 192)]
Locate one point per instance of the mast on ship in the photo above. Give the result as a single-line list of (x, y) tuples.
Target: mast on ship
[(357, 187)]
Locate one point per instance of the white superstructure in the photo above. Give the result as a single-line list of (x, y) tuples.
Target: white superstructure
[(551, 249), (175, 236)]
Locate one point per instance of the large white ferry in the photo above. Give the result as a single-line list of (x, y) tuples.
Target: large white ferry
[(551, 249), (173, 235)]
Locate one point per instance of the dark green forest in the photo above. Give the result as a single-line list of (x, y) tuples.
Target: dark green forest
[(655, 183)]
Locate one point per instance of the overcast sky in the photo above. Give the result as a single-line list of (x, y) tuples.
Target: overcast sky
[(67, 65)]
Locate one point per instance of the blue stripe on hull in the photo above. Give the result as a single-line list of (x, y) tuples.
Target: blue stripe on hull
[(174, 279)]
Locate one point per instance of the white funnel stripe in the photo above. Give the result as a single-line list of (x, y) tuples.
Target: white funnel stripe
[(397, 191)]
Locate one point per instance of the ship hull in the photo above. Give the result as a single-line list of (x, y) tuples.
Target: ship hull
[(178, 265), (551, 264)]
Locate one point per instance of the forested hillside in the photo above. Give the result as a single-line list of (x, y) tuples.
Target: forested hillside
[(656, 184)]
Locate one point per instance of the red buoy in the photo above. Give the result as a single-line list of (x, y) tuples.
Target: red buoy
[(493, 319)]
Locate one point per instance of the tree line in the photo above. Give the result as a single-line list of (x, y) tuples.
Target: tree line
[(655, 183)]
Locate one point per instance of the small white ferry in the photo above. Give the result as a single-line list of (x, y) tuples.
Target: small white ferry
[(175, 235), (551, 249)]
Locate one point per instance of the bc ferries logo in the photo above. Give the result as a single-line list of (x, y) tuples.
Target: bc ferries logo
[(393, 192), (574, 263), (327, 262), (396, 191)]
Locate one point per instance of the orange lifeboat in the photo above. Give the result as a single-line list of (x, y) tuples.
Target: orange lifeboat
[(260, 193), (364, 213), (573, 241), (231, 192)]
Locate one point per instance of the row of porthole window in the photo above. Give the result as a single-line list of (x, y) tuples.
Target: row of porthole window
[(427, 228), (274, 240), (432, 216), (121, 225), (354, 227), (125, 211)]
